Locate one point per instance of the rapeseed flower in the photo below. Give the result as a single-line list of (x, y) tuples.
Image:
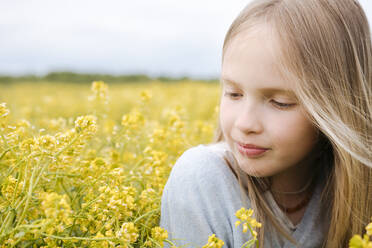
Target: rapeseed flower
[(358, 242), (133, 120), (28, 145), (86, 125), (128, 232), (369, 229), (159, 235), (47, 143), (4, 111), (146, 95), (11, 187), (214, 242), (100, 91), (245, 216)]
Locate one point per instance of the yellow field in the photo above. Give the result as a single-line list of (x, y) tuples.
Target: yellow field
[(94, 180), (85, 165)]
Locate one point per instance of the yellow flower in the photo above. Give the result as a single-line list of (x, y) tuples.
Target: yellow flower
[(254, 233), (248, 223), (100, 91), (159, 234), (145, 95), (148, 243), (358, 242), (28, 145), (158, 135), (99, 163), (147, 197), (109, 233), (47, 143), (214, 242), (128, 232), (237, 223), (369, 229), (10, 187), (57, 211), (4, 111), (245, 215), (133, 120), (87, 125)]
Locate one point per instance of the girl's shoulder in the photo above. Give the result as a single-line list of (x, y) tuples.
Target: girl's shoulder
[(201, 174), (202, 162), (202, 188), (202, 169)]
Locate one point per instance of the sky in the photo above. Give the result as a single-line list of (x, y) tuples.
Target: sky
[(157, 38)]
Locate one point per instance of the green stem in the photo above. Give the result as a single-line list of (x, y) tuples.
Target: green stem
[(254, 239), (34, 184), (13, 167), (169, 242), (144, 215), (64, 188), (6, 143), (79, 238), (7, 222), (249, 243), (156, 242), (62, 174), (4, 152), (66, 147), (55, 156), (72, 227), (28, 196)]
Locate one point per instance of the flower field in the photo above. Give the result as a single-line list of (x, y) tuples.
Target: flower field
[(85, 165)]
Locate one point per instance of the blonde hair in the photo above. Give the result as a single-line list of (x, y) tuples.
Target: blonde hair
[(325, 48)]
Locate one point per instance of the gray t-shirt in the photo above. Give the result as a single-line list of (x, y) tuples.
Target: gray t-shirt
[(202, 195)]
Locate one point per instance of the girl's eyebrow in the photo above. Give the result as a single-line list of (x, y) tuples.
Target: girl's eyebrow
[(266, 90)]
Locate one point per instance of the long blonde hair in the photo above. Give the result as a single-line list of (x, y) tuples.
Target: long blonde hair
[(325, 48)]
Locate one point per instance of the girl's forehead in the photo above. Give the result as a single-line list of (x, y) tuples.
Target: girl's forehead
[(262, 33), (253, 30), (252, 55), (258, 42)]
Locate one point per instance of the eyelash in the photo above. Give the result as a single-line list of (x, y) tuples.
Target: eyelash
[(278, 104)]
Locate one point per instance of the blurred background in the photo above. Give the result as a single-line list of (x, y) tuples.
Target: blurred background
[(155, 38)]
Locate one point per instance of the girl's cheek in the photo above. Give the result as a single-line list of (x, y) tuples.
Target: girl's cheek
[(226, 115)]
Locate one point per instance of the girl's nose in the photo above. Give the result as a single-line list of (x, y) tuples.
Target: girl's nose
[(248, 119)]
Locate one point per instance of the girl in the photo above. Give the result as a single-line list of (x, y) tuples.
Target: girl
[(294, 135)]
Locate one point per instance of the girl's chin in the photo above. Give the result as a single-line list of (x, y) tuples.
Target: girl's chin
[(253, 169)]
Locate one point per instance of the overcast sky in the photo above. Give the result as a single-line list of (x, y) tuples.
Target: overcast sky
[(156, 37)]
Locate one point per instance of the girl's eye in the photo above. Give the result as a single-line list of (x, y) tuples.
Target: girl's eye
[(277, 104), (283, 105), (232, 95)]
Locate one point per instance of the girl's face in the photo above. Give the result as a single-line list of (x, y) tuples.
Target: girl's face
[(258, 107)]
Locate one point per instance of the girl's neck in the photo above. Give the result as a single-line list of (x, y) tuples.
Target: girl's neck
[(292, 200), (293, 190), (291, 182)]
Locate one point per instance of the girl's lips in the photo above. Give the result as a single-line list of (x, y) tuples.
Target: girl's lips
[(251, 146), (251, 151)]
